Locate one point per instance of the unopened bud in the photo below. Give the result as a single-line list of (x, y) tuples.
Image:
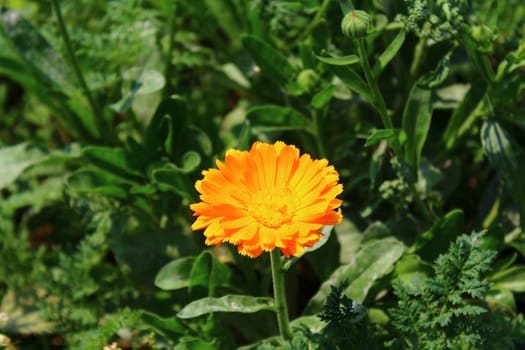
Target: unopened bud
[(355, 24), (308, 79)]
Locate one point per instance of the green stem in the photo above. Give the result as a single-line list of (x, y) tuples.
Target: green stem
[(279, 294), (73, 61), (318, 134), (420, 54), (379, 102), (314, 23)]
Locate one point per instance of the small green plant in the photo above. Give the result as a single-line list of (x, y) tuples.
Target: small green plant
[(447, 310)]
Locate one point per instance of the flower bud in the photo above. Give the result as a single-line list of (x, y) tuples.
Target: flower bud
[(355, 24), (308, 79), (483, 37)]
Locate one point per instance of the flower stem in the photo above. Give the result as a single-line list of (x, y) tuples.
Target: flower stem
[(280, 295), (73, 61), (379, 102)]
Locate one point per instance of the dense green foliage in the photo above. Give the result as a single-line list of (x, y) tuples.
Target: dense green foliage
[(110, 110)]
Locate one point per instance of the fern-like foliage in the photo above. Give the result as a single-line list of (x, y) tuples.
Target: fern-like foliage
[(447, 310)]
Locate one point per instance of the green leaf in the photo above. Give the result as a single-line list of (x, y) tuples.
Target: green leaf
[(389, 53), (227, 303), (372, 262), (416, 124), (171, 179), (53, 75), (210, 273), (176, 274), (192, 343), (271, 61), (508, 158), (512, 279), (383, 134), (171, 327), (436, 76), (17, 159), (438, 239), (113, 160), (322, 97), (481, 59), (353, 80), (228, 20), (96, 181), (463, 116), (166, 127), (411, 269), (339, 61), (272, 117)]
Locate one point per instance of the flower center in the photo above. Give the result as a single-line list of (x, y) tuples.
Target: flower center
[(273, 208)]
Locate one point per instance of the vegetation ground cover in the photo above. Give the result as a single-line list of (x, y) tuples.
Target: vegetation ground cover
[(110, 111)]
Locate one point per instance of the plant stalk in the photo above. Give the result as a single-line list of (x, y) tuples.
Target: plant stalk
[(76, 68), (279, 295), (379, 102)]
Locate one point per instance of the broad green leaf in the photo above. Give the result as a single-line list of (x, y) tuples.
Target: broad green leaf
[(173, 180), (15, 159), (18, 159), (512, 279), (322, 97), (167, 126), (176, 274), (383, 134), (389, 53), (227, 18), (436, 76), (190, 162), (481, 59), (339, 61), (142, 252), (353, 80), (416, 124), (41, 57), (508, 158), (210, 273), (113, 160), (373, 261), (192, 343), (227, 303), (138, 81), (346, 6), (412, 270), (463, 116), (144, 81), (272, 117), (271, 61), (502, 299), (54, 76), (171, 327), (438, 239), (95, 181)]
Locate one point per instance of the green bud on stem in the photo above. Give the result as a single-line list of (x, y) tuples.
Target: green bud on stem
[(355, 24)]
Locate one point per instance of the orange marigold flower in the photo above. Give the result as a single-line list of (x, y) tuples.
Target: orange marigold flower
[(266, 198)]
